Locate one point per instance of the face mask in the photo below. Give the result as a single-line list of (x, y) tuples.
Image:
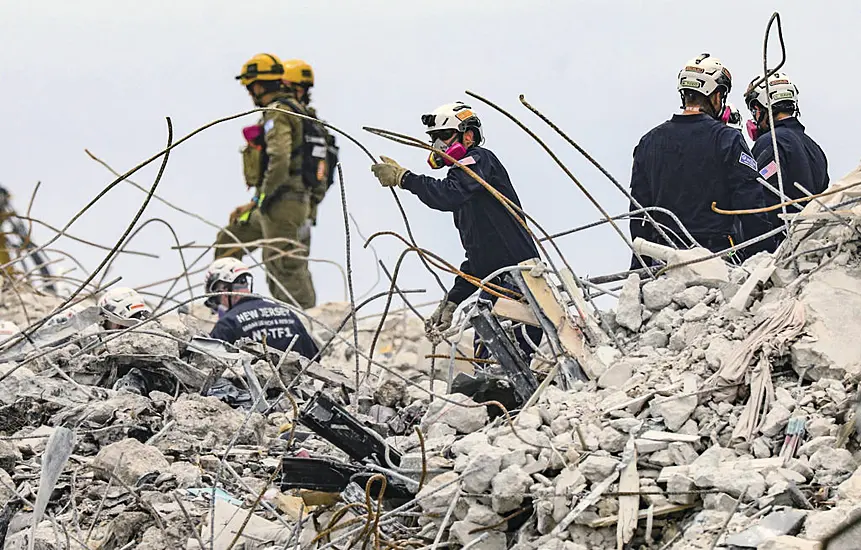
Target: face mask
[(253, 134), (752, 129), (730, 117), (456, 150), (222, 311)]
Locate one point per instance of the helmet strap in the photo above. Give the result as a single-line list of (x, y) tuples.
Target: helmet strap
[(710, 108), (230, 296)]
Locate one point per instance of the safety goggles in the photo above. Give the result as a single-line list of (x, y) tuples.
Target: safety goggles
[(442, 135)]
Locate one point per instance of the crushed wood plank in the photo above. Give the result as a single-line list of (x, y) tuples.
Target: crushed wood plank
[(570, 335), (591, 324), (655, 435), (516, 311), (629, 482), (657, 512), (585, 503), (754, 464)]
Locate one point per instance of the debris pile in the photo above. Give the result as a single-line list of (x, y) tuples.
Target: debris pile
[(715, 405)]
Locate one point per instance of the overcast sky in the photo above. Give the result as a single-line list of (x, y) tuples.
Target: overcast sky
[(103, 75)]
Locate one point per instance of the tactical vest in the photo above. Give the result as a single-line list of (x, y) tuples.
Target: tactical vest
[(318, 152), (314, 148)]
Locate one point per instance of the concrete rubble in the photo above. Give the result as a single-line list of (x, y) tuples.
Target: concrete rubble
[(719, 417)]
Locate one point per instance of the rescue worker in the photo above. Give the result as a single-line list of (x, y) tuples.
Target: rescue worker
[(299, 76), (801, 158), (250, 316), (490, 236), (278, 163), (695, 159), (122, 308)]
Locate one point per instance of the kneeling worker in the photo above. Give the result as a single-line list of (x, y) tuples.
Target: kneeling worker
[(250, 316), (490, 235)]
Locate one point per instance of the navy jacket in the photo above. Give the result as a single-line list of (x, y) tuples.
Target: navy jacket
[(255, 318), (801, 160), (689, 162), (491, 237)]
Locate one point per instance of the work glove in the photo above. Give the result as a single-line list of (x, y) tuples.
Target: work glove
[(440, 320), (240, 211), (389, 172), (304, 232)]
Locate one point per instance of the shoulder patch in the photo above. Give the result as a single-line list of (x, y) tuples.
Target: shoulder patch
[(747, 160), (268, 125), (466, 161)]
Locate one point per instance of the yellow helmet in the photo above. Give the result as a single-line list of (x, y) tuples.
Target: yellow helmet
[(263, 66), (298, 72)]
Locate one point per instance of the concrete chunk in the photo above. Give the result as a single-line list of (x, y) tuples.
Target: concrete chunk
[(629, 311), (691, 296), (130, 460), (659, 293), (463, 415)]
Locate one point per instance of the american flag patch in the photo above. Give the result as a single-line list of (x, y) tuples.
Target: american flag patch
[(466, 161), (769, 170)]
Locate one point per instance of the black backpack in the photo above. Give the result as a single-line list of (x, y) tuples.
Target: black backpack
[(316, 150), (331, 158)]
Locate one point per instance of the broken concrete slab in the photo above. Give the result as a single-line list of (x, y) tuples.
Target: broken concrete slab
[(783, 522), (230, 519), (509, 488), (130, 460), (831, 299), (675, 411), (659, 293), (691, 296), (629, 311), (786, 542), (458, 411)]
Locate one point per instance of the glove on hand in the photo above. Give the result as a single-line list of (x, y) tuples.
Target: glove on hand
[(241, 210), (440, 320), (389, 172)]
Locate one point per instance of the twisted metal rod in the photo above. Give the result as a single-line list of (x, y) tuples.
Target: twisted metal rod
[(349, 269), (597, 165), (33, 327), (567, 172), (513, 209), (132, 236)]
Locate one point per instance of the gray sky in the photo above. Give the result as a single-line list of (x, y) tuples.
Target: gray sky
[(103, 75)]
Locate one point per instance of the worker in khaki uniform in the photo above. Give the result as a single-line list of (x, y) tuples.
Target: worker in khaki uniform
[(274, 161), (299, 76)]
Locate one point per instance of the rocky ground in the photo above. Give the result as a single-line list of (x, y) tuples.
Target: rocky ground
[(725, 417)]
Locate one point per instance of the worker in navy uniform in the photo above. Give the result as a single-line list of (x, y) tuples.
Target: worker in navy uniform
[(801, 158), (695, 159), (251, 317), (490, 235)]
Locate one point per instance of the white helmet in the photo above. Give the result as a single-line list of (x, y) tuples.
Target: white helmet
[(64, 317), (123, 306), (705, 74), (8, 328), (452, 116), (780, 88), (224, 270)]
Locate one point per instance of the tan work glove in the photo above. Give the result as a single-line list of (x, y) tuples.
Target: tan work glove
[(389, 172), (440, 320), (240, 211)]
